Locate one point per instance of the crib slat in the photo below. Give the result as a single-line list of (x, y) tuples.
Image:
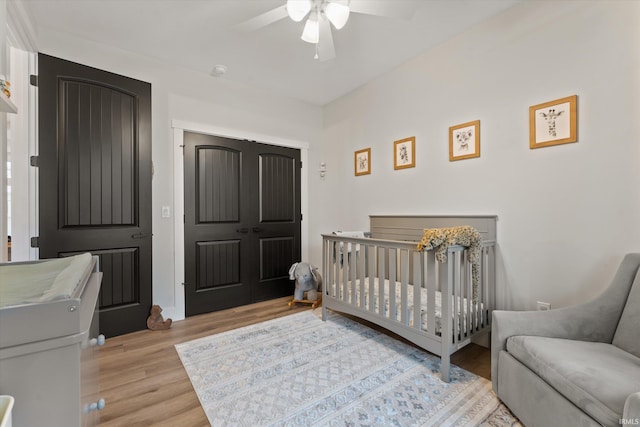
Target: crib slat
[(344, 296), (456, 295), (352, 267), (325, 273), (481, 303), (470, 304), (393, 260), (362, 257), (372, 275), (465, 295), (336, 271), (433, 279), (418, 283), (404, 286), (446, 286), (489, 281), (331, 277), (382, 261)]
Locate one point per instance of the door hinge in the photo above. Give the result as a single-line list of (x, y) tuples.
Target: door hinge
[(300, 217), (33, 80), (35, 242), (34, 161)]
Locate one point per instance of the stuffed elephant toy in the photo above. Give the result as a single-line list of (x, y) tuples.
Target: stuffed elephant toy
[(307, 279)]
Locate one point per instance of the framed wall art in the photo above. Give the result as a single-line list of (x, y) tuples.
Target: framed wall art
[(404, 153), (464, 141), (553, 122), (362, 160)]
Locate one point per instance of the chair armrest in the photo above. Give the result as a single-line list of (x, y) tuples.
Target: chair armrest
[(592, 321), (631, 411)]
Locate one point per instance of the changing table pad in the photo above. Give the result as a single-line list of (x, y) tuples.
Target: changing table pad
[(41, 281)]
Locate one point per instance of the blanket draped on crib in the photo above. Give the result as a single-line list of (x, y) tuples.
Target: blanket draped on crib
[(439, 239)]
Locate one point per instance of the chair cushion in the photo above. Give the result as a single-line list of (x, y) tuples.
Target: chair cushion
[(596, 377), (627, 335)]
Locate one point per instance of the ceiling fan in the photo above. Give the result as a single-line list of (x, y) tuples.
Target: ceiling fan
[(321, 15)]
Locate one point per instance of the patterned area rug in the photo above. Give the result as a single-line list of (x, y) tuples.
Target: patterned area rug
[(300, 371)]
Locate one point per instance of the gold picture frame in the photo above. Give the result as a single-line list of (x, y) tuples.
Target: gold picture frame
[(553, 122), (362, 162), (464, 141), (404, 153)]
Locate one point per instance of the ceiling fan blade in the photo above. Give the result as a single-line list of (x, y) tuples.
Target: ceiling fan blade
[(389, 9), (263, 20), (326, 50)]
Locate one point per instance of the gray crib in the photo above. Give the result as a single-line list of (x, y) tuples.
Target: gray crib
[(385, 280)]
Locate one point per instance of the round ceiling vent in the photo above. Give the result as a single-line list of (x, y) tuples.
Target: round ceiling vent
[(219, 70)]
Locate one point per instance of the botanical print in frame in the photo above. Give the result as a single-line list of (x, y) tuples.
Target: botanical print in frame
[(554, 122), (362, 160), (464, 141), (404, 153)]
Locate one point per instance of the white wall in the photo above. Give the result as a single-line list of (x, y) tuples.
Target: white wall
[(179, 94), (567, 213)]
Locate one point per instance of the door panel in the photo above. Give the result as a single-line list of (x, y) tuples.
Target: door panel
[(121, 269), (242, 221), (277, 188), (218, 264), (97, 155), (218, 185), (276, 256), (95, 181)]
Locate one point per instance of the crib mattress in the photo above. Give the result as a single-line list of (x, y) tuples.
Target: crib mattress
[(45, 299), (395, 313)]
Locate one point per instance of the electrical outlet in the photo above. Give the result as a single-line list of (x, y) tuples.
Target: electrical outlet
[(544, 306)]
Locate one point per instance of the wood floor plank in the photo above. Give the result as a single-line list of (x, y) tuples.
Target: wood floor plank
[(144, 383)]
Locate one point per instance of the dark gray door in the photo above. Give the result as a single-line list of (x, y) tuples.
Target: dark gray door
[(242, 221), (95, 181)]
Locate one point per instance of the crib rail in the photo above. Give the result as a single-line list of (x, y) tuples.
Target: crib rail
[(394, 285)]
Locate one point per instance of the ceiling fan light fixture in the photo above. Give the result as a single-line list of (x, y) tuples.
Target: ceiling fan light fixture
[(311, 32), (337, 13), (298, 9)]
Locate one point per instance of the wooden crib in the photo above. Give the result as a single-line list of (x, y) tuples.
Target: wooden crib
[(384, 279)]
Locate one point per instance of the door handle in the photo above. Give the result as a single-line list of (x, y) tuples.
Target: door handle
[(257, 230), (139, 236), (242, 230)]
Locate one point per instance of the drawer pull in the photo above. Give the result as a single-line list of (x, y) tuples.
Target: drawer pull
[(95, 406), (98, 341)]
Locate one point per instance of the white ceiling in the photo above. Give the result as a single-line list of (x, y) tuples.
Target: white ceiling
[(198, 34)]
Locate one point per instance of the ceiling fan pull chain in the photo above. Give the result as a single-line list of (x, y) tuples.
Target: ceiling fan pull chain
[(316, 55)]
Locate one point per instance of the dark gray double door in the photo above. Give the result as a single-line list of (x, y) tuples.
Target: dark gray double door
[(242, 221)]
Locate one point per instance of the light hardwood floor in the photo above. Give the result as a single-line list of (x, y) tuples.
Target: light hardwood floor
[(144, 383)]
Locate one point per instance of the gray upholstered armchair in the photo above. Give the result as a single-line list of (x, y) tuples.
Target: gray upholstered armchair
[(578, 365)]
